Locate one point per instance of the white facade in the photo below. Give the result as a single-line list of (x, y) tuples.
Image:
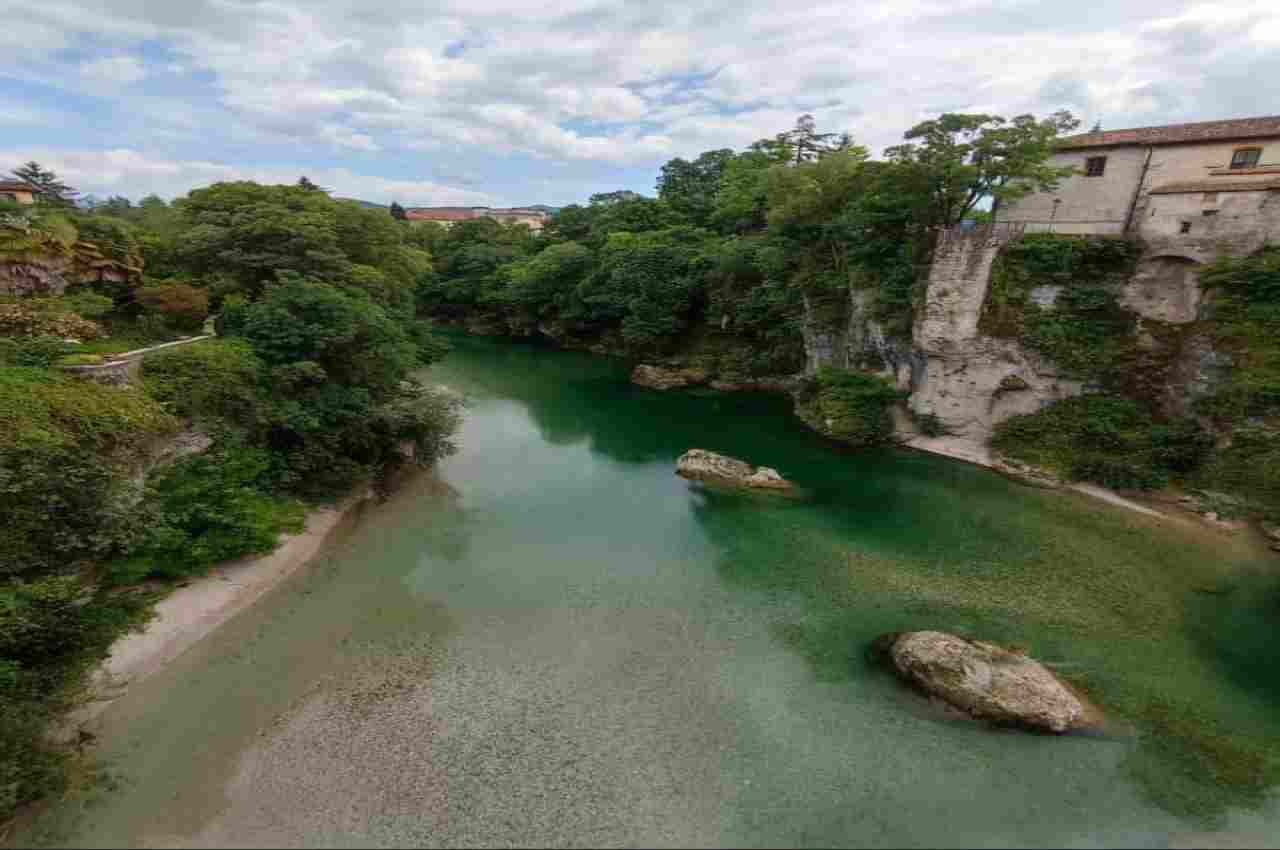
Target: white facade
[(1131, 186)]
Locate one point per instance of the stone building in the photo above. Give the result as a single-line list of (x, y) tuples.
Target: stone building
[(448, 216), (17, 191), (1210, 179)]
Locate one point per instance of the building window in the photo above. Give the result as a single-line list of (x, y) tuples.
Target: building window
[(1185, 227), (1095, 165), (1246, 157)]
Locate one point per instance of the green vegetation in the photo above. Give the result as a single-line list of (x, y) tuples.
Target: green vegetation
[(308, 392), (1108, 440), (1245, 293), (726, 255), (852, 407), (208, 509), (1121, 438), (1085, 332)]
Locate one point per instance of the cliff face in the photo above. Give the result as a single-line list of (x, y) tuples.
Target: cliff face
[(968, 380), (844, 335), (985, 340)]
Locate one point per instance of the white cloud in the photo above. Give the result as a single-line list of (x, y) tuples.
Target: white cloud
[(123, 171), (113, 70), (606, 82)]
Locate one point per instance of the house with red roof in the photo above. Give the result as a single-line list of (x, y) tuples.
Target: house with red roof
[(535, 219), (1209, 180), (17, 191)]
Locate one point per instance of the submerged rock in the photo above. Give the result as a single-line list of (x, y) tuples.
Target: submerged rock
[(987, 682), (702, 465)]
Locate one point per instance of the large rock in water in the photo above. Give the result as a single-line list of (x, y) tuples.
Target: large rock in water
[(987, 681), (662, 378), (702, 465)]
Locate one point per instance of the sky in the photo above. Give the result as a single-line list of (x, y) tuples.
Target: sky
[(504, 102)]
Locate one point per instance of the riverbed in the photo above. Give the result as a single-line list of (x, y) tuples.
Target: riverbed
[(553, 640)]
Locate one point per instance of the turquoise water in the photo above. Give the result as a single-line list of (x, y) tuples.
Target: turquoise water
[(558, 641)]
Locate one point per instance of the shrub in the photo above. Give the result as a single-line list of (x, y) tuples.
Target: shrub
[(1246, 314), (18, 319), (64, 448), (1250, 466), (1108, 440), (40, 351), (1086, 330), (79, 360), (183, 307), (214, 378), (51, 632), (88, 305), (208, 509), (929, 424), (852, 407)]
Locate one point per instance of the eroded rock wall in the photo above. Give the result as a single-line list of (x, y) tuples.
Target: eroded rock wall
[(966, 379), (844, 335)]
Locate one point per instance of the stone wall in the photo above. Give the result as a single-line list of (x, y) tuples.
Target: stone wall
[(1101, 205), (1084, 205)]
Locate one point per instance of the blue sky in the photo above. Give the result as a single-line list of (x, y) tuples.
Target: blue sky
[(515, 101)]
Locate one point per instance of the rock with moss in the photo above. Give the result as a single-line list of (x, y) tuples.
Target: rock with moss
[(702, 465), (987, 682), (664, 378)]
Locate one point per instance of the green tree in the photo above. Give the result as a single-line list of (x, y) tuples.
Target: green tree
[(742, 200), (690, 188), (398, 213), (48, 188), (968, 158), (807, 144)]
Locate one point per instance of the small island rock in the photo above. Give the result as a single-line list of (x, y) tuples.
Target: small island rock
[(987, 682), (702, 465), (661, 378)]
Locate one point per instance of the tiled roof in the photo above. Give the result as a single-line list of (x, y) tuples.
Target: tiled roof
[(466, 213), (15, 186), (1201, 131), (441, 214), (1212, 185)]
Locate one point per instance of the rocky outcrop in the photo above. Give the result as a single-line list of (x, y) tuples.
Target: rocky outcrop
[(35, 277), (966, 379), (702, 465), (663, 378), (987, 682), (678, 377), (840, 333)]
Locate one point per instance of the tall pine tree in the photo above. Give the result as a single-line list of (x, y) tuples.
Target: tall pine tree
[(46, 185)]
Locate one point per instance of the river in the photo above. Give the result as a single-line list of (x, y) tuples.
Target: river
[(555, 641)]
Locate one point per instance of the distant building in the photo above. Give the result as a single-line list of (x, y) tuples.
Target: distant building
[(448, 216), (1207, 180), (17, 191)]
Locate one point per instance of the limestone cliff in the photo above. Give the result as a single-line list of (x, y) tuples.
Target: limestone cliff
[(968, 380), (841, 333)]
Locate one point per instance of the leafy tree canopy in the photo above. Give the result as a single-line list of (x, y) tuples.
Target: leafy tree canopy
[(48, 188), (967, 158)]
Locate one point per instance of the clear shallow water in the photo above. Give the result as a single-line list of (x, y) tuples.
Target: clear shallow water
[(560, 642)]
